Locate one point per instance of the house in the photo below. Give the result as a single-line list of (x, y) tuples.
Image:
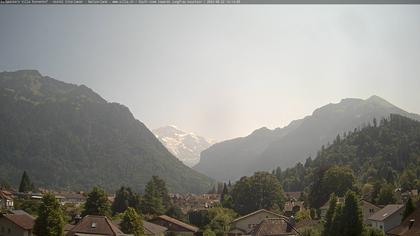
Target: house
[(274, 226), (94, 226), (387, 218), (174, 226), (409, 227), (153, 229), (245, 225), (149, 228), (368, 209), (16, 225), (6, 200), (292, 207), (71, 198)]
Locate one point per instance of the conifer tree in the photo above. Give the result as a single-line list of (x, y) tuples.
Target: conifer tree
[(50, 221), (163, 192), (336, 228), (125, 198), (152, 202), (352, 214), (97, 203), (132, 222), (329, 217), (409, 208), (25, 184)]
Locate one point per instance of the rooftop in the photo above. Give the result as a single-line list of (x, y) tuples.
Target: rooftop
[(385, 212)]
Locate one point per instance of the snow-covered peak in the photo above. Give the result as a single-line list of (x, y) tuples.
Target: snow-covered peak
[(186, 146)]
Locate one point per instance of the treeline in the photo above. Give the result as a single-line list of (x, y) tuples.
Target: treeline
[(373, 160)]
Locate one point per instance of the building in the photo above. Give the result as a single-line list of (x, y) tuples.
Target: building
[(149, 228), (153, 229), (16, 225), (71, 198), (245, 225), (6, 200), (409, 227), (174, 226), (292, 207), (368, 209), (387, 218), (92, 225), (274, 227)]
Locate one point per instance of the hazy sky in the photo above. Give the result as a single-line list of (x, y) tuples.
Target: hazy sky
[(221, 71)]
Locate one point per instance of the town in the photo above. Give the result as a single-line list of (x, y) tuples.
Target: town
[(28, 211)]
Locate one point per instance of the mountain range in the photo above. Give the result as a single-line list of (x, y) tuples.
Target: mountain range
[(185, 146), (265, 149), (66, 136)]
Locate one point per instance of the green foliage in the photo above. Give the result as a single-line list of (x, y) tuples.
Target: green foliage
[(97, 203), (409, 208), (260, 191), (344, 219), (369, 231), (386, 153), (25, 184), (329, 217), (50, 220), (78, 140), (352, 215), (199, 218), (176, 212), (132, 222), (386, 195), (220, 219), (337, 179), (29, 205), (156, 199), (208, 232), (125, 198)]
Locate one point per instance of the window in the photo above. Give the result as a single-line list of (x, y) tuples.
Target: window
[(8, 230)]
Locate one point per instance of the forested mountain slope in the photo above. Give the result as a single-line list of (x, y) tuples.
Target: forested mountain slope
[(66, 136), (383, 152), (286, 146)]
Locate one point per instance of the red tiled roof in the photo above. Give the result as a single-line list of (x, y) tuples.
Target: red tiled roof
[(256, 212), (99, 225), (23, 221), (179, 223), (152, 229), (3, 194), (404, 228), (273, 226)]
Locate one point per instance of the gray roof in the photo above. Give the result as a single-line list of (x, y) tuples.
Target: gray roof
[(385, 212), (152, 229)]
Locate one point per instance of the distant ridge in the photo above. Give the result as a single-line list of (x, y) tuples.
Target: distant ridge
[(68, 137), (264, 149)]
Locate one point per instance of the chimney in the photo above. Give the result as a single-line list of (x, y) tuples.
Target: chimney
[(411, 223), (77, 218)]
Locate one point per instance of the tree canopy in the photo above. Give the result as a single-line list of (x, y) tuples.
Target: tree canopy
[(25, 184), (260, 191), (97, 203), (132, 222), (50, 220)]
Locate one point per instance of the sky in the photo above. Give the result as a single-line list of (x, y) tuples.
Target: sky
[(221, 71)]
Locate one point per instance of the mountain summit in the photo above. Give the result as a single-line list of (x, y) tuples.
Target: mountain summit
[(265, 149), (185, 146), (67, 137)]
